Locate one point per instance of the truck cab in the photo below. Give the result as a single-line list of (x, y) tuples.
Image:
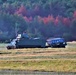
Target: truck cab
[(56, 42)]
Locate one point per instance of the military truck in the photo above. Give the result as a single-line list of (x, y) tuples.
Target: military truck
[(56, 42), (26, 42)]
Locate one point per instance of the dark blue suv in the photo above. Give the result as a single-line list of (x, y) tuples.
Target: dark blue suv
[(56, 42)]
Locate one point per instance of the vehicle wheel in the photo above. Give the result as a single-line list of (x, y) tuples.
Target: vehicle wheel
[(63, 46), (8, 48)]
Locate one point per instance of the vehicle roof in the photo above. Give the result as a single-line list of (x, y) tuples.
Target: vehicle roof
[(54, 39)]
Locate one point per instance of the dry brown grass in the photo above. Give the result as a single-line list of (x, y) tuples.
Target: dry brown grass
[(46, 59)]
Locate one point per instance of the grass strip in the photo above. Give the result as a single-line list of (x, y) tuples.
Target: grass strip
[(41, 65)]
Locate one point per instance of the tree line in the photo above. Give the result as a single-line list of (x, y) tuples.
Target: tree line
[(39, 18)]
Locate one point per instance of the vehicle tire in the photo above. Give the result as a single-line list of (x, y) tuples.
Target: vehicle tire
[(63, 46), (8, 48)]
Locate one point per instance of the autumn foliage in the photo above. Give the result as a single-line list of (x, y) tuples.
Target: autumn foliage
[(22, 10), (50, 18), (74, 14), (44, 18)]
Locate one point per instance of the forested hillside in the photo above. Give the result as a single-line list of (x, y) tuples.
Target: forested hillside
[(39, 18)]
